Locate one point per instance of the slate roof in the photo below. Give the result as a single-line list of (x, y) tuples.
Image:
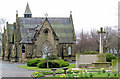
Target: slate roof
[(62, 27), (26, 39)]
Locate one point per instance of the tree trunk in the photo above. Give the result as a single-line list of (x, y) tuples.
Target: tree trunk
[(47, 62)]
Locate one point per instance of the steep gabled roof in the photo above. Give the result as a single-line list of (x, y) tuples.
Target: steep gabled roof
[(25, 40), (62, 27), (40, 27), (27, 10)]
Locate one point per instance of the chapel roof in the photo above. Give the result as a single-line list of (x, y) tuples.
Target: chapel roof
[(62, 27)]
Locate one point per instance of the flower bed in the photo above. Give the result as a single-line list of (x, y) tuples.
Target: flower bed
[(37, 74), (83, 74), (86, 75)]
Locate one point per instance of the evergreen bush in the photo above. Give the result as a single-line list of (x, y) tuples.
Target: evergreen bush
[(53, 57), (110, 57), (34, 62), (53, 64)]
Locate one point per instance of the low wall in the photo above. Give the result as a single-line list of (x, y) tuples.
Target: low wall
[(85, 59), (116, 65)]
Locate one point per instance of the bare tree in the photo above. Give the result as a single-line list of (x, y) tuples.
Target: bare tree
[(2, 24), (47, 51), (89, 41), (111, 39)]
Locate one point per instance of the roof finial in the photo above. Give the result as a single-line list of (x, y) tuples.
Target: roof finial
[(16, 11), (46, 15), (70, 12)]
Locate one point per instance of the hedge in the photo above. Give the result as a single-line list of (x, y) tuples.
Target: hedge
[(34, 62), (53, 64)]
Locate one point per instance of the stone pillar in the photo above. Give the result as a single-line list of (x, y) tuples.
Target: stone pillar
[(101, 40), (101, 58), (101, 44)]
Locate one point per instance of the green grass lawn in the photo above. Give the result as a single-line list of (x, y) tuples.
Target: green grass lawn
[(48, 69), (32, 68), (43, 69), (68, 75)]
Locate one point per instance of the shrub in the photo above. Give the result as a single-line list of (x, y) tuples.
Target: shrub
[(63, 63), (53, 57), (53, 64), (110, 57), (42, 65), (34, 62)]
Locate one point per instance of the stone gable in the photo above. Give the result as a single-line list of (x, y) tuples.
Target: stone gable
[(43, 38)]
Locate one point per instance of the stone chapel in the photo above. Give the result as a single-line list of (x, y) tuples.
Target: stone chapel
[(29, 37)]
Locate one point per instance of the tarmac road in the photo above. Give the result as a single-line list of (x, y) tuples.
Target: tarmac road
[(11, 70)]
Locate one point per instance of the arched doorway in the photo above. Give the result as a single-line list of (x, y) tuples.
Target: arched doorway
[(23, 49), (46, 49)]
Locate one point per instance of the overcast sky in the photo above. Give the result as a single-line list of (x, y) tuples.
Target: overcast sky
[(87, 14)]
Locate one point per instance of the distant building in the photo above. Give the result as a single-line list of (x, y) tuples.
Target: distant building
[(29, 37)]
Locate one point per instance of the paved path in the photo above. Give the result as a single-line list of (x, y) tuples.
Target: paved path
[(11, 70)]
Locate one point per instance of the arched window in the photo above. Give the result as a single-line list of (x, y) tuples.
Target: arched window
[(23, 49), (69, 50), (45, 50), (46, 31)]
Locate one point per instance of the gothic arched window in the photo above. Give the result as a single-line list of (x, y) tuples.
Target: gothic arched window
[(46, 31), (46, 50), (69, 50), (23, 49)]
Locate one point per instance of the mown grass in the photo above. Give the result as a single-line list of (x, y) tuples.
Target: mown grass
[(43, 69), (48, 69)]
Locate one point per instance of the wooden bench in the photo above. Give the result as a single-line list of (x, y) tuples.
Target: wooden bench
[(54, 69)]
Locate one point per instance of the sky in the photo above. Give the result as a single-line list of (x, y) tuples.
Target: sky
[(87, 14)]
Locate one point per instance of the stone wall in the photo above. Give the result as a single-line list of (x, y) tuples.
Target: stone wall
[(29, 50), (64, 52), (116, 65), (82, 59), (43, 38)]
